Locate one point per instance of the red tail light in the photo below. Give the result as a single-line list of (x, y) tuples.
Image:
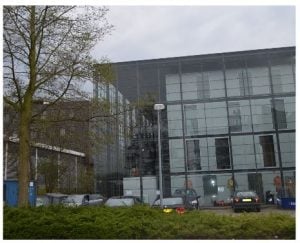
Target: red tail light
[(180, 210)]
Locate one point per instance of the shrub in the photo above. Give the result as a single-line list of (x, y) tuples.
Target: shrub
[(141, 222)]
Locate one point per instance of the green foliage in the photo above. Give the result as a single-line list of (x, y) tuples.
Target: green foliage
[(141, 222)]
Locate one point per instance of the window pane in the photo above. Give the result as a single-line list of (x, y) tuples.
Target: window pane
[(267, 145), (258, 72), (288, 149), (262, 115), (176, 155), (172, 87), (282, 72), (191, 121), (235, 121), (174, 120), (193, 155), (243, 152), (210, 185), (222, 153), (278, 113)]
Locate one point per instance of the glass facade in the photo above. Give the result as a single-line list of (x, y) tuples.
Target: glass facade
[(228, 124)]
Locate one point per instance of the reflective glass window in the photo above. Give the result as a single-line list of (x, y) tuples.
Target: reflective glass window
[(267, 145), (176, 155), (193, 155), (243, 152), (210, 185), (288, 149), (282, 72), (222, 153), (216, 117), (262, 115), (174, 120)]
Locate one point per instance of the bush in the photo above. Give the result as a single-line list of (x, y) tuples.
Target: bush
[(141, 222)]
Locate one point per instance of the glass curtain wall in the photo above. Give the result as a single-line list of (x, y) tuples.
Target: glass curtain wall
[(229, 122)]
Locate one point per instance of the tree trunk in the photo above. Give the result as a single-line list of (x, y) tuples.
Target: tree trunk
[(25, 119), (24, 153)]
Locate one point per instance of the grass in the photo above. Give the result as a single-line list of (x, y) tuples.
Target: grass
[(141, 222)]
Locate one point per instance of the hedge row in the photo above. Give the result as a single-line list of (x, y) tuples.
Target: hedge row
[(141, 223)]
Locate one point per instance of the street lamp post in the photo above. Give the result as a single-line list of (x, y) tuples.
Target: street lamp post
[(158, 108)]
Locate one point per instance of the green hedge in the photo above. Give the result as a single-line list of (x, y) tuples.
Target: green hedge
[(141, 223)]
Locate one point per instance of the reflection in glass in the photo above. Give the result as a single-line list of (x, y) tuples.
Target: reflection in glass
[(210, 185), (267, 145), (278, 113), (235, 121), (222, 153), (193, 155)]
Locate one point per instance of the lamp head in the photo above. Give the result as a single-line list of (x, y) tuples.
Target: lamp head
[(158, 107)]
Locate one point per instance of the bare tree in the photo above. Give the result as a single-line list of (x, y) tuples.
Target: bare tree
[(46, 56)]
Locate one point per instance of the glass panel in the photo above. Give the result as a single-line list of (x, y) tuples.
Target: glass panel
[(176, 155), (235, 121), (290, 184), (236, 77), (278, 113), (216, 118), (222, 153), (243, 152), (287, 148), (289, 108), (194, 119), (258, 72), (267, 145), (210, 185), (191, 121), (148, 82), (174, 120), (193, 155), (262, 115), (169, 81), (193, 86), (213, 69), (202, 79), (127, 81), (282, 73)]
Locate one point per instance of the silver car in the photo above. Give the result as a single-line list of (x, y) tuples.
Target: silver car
[(123, 201), (76, 200)]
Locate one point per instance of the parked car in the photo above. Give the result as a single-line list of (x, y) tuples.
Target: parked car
[(191, 199), (96, 199), (76, 200), (245, 200), (55, 198), (123, 201), (171, 203)]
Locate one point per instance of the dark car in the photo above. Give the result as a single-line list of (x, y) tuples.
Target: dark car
[(245, 200), (170, 203), (191, 199), (122, 201)]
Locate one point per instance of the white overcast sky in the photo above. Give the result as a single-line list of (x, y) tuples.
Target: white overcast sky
[(147, 32)]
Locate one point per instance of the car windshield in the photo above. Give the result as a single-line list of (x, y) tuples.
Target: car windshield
[(114, 202), (246, 194), (169, 201), (73, 199)]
